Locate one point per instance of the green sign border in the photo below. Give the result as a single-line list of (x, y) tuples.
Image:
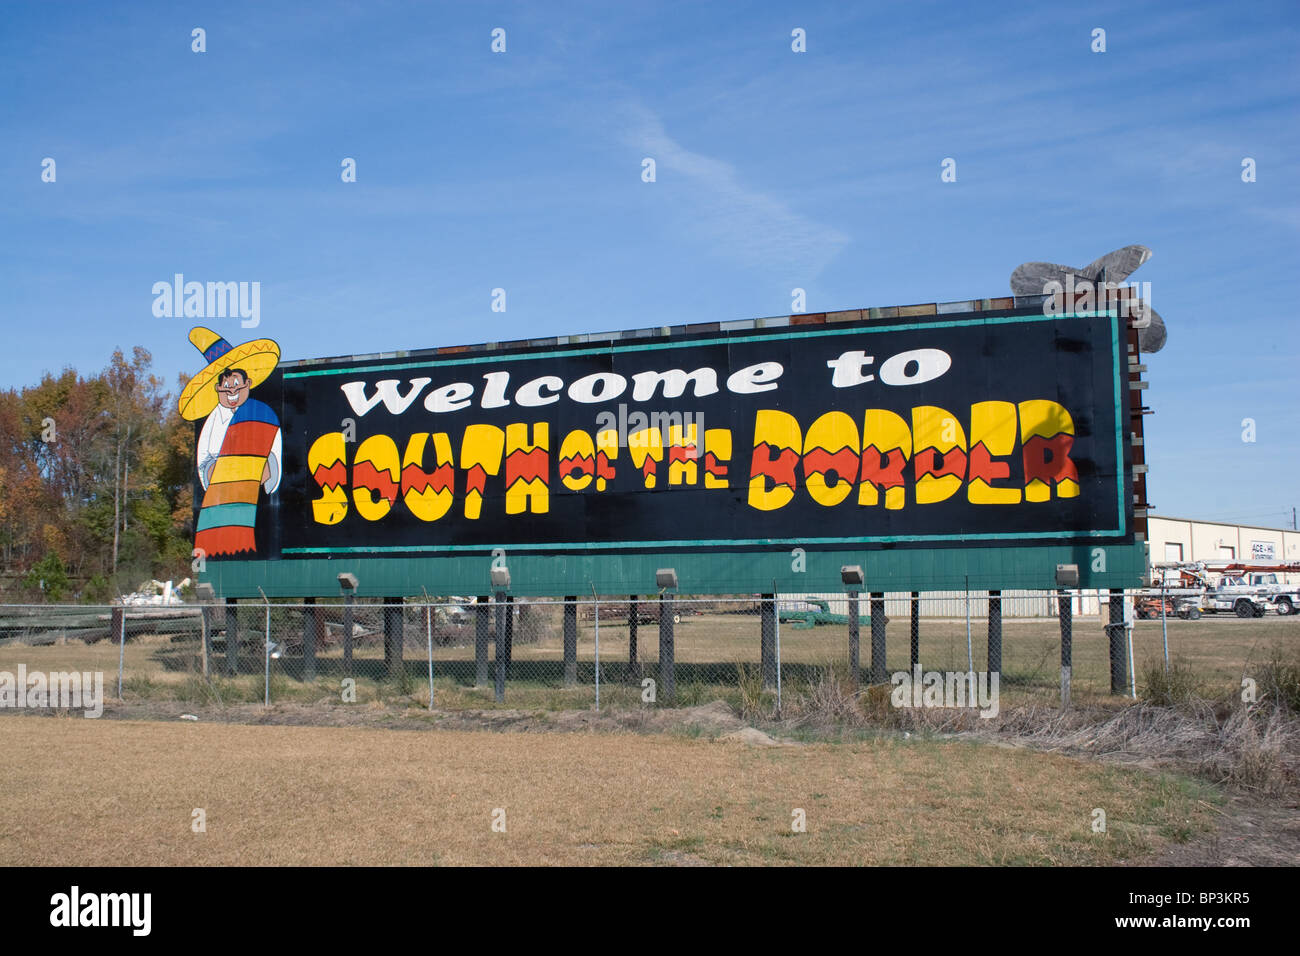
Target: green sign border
[(1029, 567)]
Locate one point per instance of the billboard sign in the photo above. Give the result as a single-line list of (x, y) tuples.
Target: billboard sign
[(955, 430)]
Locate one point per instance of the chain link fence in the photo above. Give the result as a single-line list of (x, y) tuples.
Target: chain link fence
[(630, 651)]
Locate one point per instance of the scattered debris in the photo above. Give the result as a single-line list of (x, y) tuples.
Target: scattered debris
[(154, 594)]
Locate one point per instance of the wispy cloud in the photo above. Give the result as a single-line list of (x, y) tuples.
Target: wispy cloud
[(741, 222)]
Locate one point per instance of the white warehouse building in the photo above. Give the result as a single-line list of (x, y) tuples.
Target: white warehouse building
[(1187, 540), (1169, 541)]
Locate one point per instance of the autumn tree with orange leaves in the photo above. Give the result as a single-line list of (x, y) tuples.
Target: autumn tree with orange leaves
[(95, 476)]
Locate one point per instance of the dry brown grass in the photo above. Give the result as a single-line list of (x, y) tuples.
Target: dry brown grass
[(122, 792), (1216, 651), (1254, 747)]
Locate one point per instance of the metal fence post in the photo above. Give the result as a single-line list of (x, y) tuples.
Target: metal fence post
[(915, 659), (878, 638), (205, 647), (570, 640), (634, 667), (510, 630), (347, 632), (1064, 613), (1115, 633), (776, 620), (120, 614), (1132, 671), (970, 650), (310, 623), (767, 639), (394, 637), (232, 636), (596, 604), (428, 635), (1164, 625), (482, 630), (995, 632), (667, 665), (500, 647), (266, 701), (854, 657)]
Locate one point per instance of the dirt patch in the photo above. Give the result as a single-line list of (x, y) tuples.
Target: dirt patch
[(1249, 833), (751, 736), (713, 718), (706, 720)]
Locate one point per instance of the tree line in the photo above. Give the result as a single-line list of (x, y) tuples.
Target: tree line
[(96, 490)]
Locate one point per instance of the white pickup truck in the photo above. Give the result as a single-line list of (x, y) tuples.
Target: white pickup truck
[(1252, 595), (1282, 597)]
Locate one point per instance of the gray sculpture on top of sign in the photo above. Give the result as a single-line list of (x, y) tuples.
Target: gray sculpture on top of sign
[(1032, 278)]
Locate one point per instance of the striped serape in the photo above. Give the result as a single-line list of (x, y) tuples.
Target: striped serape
[(229, 509)]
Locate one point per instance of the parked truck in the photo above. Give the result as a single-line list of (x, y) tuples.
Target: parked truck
[(1247, 590), (1235, 593), (1282, 597)]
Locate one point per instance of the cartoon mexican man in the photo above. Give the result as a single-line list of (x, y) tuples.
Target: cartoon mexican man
[(239, 449)]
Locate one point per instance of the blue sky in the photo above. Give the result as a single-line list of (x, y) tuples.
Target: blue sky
[(775, 170)]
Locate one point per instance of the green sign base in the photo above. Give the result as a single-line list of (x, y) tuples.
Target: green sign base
[(722, 572)]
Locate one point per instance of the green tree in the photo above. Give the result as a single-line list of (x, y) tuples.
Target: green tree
[(49, 577), (96, 474)]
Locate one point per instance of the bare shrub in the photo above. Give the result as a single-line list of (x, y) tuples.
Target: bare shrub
[(1279, 680), (754, 700), (828, 698), (1173, 687)]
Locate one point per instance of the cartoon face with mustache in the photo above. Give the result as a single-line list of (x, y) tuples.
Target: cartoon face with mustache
[(232, 388)]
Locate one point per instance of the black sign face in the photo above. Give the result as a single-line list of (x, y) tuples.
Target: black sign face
[(945, 431)]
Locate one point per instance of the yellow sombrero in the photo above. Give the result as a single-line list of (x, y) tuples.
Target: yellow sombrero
[(258, 358)]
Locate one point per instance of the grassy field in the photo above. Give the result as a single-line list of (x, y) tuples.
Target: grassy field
[(708, 649), (112, 792)]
